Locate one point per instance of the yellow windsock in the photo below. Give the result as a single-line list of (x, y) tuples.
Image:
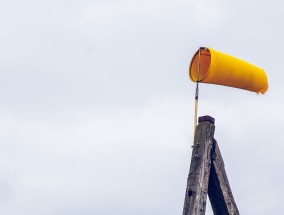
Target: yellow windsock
[(218, 68)]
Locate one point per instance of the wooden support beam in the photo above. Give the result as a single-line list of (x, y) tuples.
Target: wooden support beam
[(198, 178), (207, 175), (219, 191)]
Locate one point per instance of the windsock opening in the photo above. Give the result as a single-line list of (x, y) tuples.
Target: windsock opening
[(204, 64), (214, 67)]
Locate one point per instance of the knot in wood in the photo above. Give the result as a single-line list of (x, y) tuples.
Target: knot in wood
[(190, 192)]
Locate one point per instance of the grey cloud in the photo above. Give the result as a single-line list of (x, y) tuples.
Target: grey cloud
[(96, 106)]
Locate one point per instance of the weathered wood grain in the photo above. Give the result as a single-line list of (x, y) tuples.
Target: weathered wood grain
[(198, 178), (207, 175), (219, 191)]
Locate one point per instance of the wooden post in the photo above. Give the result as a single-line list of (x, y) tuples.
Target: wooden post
[(198, 177), (207, 174)]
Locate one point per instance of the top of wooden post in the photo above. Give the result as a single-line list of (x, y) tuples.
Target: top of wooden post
[(206, 119)]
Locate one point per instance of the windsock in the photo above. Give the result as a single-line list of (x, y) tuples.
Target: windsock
[(214, 67)]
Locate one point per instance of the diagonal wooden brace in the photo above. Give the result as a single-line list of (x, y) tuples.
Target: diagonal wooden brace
[(219, 191)]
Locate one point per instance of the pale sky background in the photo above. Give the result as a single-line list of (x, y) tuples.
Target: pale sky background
[(96, 108)]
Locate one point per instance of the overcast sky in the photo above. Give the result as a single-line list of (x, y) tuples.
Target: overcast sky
[(96, 107)]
